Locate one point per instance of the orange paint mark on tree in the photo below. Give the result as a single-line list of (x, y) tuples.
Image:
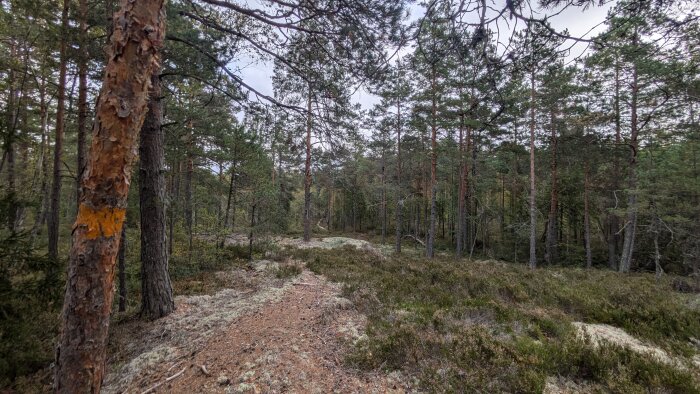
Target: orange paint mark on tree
[(104, 222)]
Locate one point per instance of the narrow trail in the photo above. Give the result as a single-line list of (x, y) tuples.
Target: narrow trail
[(293, 341), (293, 345)]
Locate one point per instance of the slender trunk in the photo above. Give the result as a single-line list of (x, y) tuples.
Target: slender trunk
[(156, 289), (188, 196), (586, 216), (467, 237), (533, 190), (384, 213), (329, 219), (229, 199), (122, 270), (53, 219), (175, 201), (82, 92), (231, 194), (250, 236), (613, 219), (631, 221), (657, 255), (399, 190), (82, 344), (463, 179), (551, 253), (430, 245), (42, 165), (307, 173), (13, 105)]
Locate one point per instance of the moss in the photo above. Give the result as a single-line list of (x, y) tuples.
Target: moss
[(495, 327)]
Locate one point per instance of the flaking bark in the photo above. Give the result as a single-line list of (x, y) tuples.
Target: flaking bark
[(138, 33)]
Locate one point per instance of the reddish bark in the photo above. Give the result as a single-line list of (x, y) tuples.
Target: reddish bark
[(139, 30)]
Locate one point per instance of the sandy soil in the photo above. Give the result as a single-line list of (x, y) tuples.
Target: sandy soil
[(285, 338)]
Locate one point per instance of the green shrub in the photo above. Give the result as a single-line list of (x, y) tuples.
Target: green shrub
[(495, 327)]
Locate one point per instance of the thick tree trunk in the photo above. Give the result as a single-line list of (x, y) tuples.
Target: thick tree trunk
[(307, 174), (156, 289), (53, 219), (631, 221), (430, 245), (138, 35), (533, 190), (82, 92), (399, 189), (551, 252)]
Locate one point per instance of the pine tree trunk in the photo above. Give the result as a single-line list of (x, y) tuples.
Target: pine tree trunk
[(156, 289), (586, 217), (9, 149), (250, 235), (468, 238), (53, 219), (307, 174), (384, 210), (230, 201), (82, 344), (533, 190), (430, 245), (42, 165), (462, 194), (189, 171), (82, 92), (631, 221), (613, 219), (174, 204), (399, 189), (551, 253), (122, 270)]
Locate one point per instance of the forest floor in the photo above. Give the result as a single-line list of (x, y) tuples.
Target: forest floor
[(347, 315), (278, 328)]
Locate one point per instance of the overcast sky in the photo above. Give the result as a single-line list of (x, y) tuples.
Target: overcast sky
[(579, 22)]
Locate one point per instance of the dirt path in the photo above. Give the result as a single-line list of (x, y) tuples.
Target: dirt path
[(295, 342)]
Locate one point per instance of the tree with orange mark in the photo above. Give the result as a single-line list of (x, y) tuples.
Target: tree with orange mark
[(137, 38)]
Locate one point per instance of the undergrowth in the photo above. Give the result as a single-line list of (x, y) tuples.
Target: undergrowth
[(496, 327)]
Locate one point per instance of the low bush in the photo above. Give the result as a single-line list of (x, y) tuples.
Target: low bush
[(497, 327)]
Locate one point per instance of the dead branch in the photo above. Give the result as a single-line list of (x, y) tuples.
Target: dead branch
[(152, 389), (413, 237)]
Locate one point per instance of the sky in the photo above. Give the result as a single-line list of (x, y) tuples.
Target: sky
[(579, 22)]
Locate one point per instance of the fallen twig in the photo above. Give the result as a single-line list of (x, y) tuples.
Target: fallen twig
[(415, 239), (204, 370), (152, 389)]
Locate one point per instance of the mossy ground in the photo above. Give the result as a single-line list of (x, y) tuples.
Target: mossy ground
[(496, 327)]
